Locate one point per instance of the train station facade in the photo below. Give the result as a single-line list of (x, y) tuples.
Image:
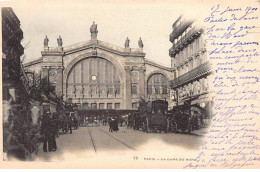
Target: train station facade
[(98, 75)]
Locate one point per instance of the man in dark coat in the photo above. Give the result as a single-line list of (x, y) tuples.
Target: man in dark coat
[(53, 131), (45, 130), (113, 124), (70, 123)]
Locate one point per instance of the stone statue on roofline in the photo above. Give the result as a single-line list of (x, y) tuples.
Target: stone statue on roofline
[(46, 41), (93, 31), (59, 41), (140, 43), (127, 42)]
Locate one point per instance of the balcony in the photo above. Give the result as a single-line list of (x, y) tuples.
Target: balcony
[(177, 31), (186, 39), (193, 75)]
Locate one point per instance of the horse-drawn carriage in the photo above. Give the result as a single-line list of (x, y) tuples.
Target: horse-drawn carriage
[(186, 118), (152, 116), (179, 120)]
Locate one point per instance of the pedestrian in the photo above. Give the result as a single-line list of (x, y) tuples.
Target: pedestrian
[(70, 121), (55, 119), (110, 122), (45, 130), (53, 131)]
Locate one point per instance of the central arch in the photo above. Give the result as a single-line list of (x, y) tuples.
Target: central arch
[(96, 83)]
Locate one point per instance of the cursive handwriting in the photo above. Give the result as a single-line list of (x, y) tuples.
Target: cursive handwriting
[(233, 140)]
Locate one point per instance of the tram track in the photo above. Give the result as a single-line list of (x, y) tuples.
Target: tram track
[(120, 141), (110, 136), (92, 140)]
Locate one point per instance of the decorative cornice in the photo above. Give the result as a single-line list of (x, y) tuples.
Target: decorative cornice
[(97, 44)]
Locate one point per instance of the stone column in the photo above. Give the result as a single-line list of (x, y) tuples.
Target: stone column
[(128, 87), (141, 82), (59, 86)]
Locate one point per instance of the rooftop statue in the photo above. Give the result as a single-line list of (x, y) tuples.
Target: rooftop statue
[(59, 41), (127, 41), (46, 41), (93, 30), (140, 43)]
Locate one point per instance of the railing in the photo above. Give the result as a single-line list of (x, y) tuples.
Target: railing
[(198, 72), (179, 30), (184, 39)]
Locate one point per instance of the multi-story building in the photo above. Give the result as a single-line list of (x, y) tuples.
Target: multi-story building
[(15, 81), (190, 64)]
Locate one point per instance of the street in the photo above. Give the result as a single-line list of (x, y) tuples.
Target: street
[(95, 140)]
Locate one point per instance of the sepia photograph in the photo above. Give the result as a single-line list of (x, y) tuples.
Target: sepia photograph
[(131, 84)]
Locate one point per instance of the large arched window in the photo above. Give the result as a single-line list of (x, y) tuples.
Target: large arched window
[(157, 84), (93, 77)]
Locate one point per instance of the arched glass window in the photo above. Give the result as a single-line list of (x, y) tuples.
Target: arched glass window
[(157, 84), (93, 77), (134, 89)]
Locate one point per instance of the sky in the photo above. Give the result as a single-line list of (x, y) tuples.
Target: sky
[(150, 20)]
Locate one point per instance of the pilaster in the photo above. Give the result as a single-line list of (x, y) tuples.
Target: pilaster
[(128, 87)]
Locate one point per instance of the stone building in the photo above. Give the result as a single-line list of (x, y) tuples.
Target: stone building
[(190, 64), (99, 75), (14, 78)]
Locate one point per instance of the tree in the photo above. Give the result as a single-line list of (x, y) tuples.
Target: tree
[(41, 86)]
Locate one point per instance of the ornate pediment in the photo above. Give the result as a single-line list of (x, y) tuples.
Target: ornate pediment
[(104, 46)]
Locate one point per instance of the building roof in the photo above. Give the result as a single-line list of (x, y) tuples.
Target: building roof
[(155, 64), (93, 43), (33, 62)]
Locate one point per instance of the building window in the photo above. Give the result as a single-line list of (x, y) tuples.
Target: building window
[(150, 89), (134, 106), (110, 91), (100, 74), (117, 89), (134, 89), (93, 106), (109, 106), (85, 105), (117, 106), (157, 89), (164, 89), (157, 84), (101, 106)]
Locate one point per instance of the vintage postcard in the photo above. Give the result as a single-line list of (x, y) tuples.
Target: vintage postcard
[(130, 84)]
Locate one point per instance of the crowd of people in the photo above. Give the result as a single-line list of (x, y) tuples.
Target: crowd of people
[(52, 125), (102, 120)]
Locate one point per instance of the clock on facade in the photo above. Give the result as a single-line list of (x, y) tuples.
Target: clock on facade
[(94, 77)]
